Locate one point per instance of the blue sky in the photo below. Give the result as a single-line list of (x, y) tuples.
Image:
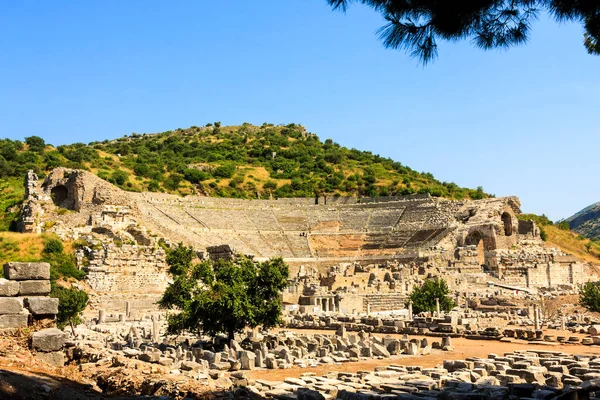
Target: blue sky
[(519, 122)]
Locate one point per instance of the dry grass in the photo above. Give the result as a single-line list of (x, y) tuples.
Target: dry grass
[(569, 243), (20, 246)]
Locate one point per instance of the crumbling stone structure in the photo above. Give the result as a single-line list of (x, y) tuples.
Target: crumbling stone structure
[(24, 295), (410, 238)]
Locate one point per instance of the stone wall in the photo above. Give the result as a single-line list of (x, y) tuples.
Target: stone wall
[(24, 295), (124, 268)]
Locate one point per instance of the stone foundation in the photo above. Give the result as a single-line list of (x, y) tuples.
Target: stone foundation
[(24, 295)]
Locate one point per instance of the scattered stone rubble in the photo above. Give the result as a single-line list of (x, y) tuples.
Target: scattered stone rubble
[(256, 350), (534, 374)]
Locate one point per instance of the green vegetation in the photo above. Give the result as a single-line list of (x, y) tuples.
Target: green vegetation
[(587, 222), (564, 225), (423, 296), (71, 303), (222, 296), (237, 161), (11, 196), (417, 26), (48, 248), (45, 248), (589, 296)]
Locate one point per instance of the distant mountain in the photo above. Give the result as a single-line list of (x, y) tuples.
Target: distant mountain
[(587, 221)]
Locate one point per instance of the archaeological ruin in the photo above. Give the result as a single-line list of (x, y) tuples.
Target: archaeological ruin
[(350, 255), (354, 263)]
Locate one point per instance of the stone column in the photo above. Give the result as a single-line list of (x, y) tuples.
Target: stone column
[(536, 320), (326, 305), (368, 308), (437, 307), (562, 323), (155, 329), (332, 304), (410, 311), (101, 316)]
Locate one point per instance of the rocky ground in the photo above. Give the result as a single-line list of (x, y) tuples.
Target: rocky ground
[(23, 376)]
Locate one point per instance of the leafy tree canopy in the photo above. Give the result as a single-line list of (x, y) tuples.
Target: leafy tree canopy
[(223, 296), (417, 25), (71, 302), (423, 296), (589, 296)]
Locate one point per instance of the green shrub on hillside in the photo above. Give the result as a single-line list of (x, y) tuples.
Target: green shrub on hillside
[(289, 162)]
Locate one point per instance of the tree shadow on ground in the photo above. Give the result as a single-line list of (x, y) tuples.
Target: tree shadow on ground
[(41, 386)]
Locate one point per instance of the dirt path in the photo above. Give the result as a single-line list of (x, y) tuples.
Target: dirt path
[(463, 348)]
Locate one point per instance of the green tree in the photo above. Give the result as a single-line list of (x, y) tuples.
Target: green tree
[(71, 302), (119, 177), (589, 296), (35, 144), (423, 296), (563, 225), (224, 171), (223, 296), (416, 25)]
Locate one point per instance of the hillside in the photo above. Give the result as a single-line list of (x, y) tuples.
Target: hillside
[(587, 221), (221, 161), (560, 235)]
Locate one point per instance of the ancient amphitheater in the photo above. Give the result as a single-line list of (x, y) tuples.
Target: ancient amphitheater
[(467, 241)]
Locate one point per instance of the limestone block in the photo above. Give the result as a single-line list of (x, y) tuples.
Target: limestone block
[(594, 330), (42, 305), (18, 271), (48, 340), (379, 350), (191, 366), (394, 347), (247, 360), (487, 381), (54, 358), (533, 374), (8, 288), (151, 356), (221, 366), (412, 349), (455, 365), (39, 288), (13, 321), (11, 305)]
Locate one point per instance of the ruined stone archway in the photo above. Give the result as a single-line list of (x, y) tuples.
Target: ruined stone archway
[(59, 194), (482, 242), (507, 221)]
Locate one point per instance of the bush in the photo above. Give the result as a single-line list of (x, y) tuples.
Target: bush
[(589, 296), (423, 296), (563, 225), (119, 177), (53, 246), (71, 302), (224, 171)]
